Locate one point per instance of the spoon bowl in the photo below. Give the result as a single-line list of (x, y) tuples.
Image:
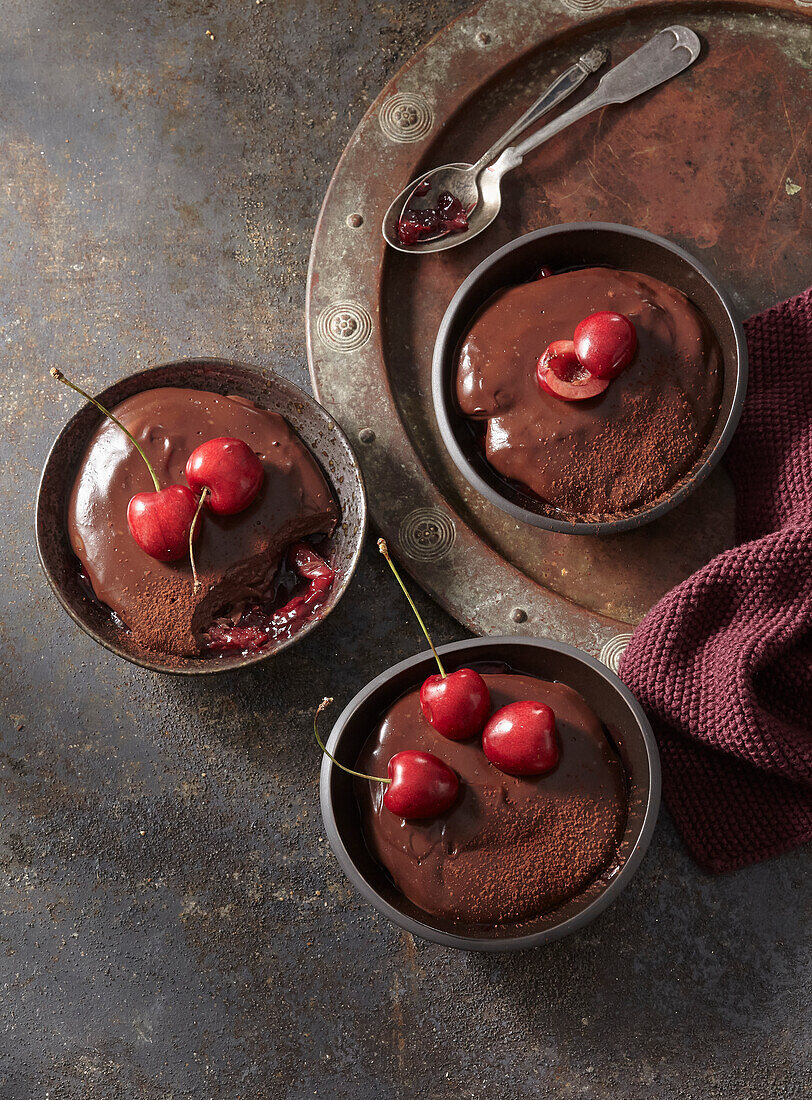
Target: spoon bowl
[(460, 180)]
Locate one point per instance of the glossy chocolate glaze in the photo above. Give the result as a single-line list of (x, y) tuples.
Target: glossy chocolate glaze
[(611, 453), (237, 556), (512, 848)]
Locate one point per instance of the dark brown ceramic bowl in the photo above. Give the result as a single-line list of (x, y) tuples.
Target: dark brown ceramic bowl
[(562, 247), (625, 723), (315, 426)]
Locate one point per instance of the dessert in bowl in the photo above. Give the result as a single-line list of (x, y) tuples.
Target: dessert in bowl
[(268, 564), (519, 857), (556, 434)]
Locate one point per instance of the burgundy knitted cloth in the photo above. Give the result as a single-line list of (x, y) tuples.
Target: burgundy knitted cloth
[(723, 663)]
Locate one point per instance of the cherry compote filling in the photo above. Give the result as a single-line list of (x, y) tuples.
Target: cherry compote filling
[(304, 583), (448, 216)]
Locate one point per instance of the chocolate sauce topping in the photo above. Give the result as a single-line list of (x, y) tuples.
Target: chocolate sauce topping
[(237, 556), (607, 454), (512, 848)]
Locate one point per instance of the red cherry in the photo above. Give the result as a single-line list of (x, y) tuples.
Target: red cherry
[(160, 522), (419, 783), (231, 472), (559, 373), (521, 739), (422, 785), (605, 343), (457, 705), (543, 273)]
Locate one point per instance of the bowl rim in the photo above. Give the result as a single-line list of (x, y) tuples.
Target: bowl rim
[(525, 940), (289, 390), (687, 483)]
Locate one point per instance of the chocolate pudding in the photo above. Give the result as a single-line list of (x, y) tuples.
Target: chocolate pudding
[(608, 454), (511, 848), (237, 556)]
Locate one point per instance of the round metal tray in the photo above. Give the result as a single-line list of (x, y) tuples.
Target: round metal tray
[(712, 160)]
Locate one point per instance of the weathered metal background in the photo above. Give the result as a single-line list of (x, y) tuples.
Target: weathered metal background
[(171, 923), (711, 160)]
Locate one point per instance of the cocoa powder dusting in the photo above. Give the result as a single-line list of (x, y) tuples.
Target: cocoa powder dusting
[(553, 852), (171, 633), (657, 442)]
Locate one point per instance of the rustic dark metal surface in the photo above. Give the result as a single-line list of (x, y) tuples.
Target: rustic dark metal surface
[(171, 923), (711, 161), (315, 427)]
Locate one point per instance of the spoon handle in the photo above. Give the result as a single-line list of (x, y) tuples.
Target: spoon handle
[(665, 55), (560, 88)]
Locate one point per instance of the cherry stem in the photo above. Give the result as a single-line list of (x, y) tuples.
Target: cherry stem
[(323, 705), (60, 377), (196, 586), (384, 549)]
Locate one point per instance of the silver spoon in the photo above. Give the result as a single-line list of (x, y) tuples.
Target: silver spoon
[(461, 179), (666, 55)]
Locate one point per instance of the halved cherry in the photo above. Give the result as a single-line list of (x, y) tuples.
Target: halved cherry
[(560, 374), (605, 343), (560, 357)]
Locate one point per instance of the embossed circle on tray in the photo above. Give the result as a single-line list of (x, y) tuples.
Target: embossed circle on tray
[(344, 326), (406, 117), (584, 7), (427, 534), (614, 649)]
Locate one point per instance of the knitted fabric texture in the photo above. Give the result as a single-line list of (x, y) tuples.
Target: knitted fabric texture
[(723, 663)]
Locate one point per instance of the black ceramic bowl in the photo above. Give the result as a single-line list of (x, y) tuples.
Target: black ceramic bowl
[(561, 247), (625, 723), (316, 428)]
